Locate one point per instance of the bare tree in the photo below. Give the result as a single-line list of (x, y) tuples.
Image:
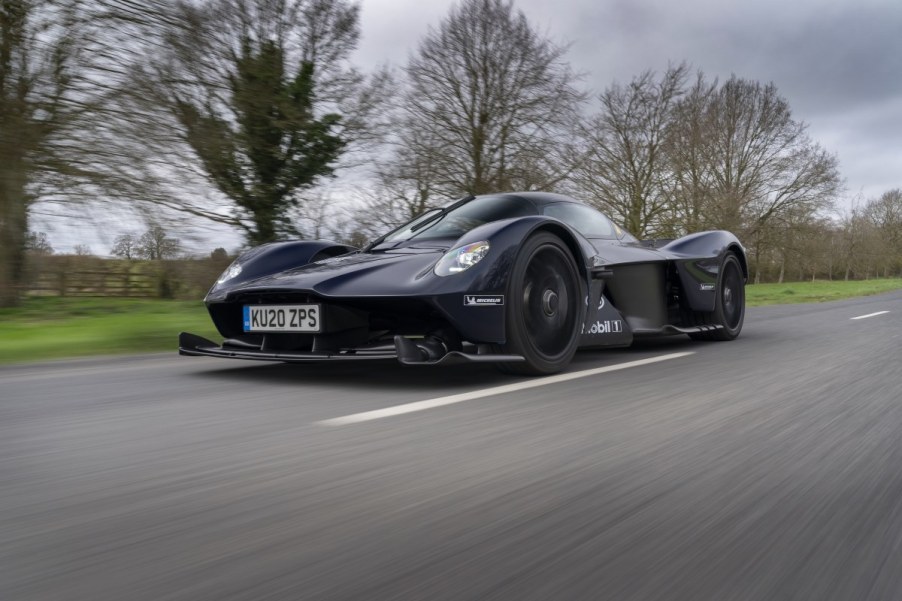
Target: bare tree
[(495, 101), (403, 187), (62, 71), (856, 229), (689, 160), (125, 246), (155, 244), (40, 104), (762, 161), (885, 215), (739, 161), (625, 172), (797, 246), (37, 243)]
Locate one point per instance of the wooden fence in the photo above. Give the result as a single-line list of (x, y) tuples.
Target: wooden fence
[(66, 275)]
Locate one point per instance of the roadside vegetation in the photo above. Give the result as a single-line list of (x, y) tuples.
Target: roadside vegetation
[(52, 328), (43, 328), (817, 291)]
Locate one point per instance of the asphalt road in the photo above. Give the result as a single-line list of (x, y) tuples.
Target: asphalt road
[(765, 468)]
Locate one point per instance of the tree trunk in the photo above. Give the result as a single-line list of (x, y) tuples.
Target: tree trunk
[(13, 233)]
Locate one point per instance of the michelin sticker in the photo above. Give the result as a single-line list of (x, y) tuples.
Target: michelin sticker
[(482, 301)]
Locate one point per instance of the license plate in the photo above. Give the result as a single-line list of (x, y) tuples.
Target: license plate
[(281, 318)]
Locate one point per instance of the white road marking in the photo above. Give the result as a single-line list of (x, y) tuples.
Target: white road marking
[(869, 315), (478, 394)]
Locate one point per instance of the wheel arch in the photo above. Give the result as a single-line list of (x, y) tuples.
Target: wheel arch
[(568, 238), (507, 237), (736, 249), (698, 258)]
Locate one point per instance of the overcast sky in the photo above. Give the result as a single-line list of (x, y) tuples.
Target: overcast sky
[(838, 63)]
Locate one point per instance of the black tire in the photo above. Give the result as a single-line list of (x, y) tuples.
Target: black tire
[(729, 305), (543, 312)]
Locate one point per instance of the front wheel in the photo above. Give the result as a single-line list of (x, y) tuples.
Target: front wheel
[(543, 314), (729, 306)]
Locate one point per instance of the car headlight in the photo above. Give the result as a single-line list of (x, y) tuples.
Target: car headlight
[(461, 258), (233, 271)]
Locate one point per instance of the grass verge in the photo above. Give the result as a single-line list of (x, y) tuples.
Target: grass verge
[(53, 328), (817, 291)]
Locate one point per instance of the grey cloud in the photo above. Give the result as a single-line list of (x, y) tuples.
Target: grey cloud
[(839, 64)]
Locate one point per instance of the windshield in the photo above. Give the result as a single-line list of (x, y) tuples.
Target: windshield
[(588, 222), (459, 220)]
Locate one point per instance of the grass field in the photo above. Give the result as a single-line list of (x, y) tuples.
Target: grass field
[(817, 291), (52, 328)]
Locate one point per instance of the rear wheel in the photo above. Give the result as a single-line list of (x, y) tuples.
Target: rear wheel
[(543, 312), (729, 306)]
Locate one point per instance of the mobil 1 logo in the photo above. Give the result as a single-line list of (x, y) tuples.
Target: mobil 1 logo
[(612, 326)]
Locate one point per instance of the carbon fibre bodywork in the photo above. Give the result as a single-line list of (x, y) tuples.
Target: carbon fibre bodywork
[(390, 301)]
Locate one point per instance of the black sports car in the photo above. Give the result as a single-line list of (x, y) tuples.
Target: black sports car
[(520, 279)]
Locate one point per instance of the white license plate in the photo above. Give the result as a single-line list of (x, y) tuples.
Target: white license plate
[(282, 318)]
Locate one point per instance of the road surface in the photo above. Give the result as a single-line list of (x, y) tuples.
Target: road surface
[(765, 468)]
